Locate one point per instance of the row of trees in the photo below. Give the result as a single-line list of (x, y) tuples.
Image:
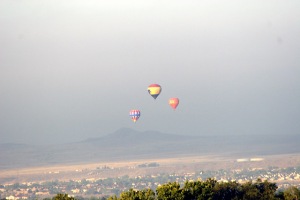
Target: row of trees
[(212, 190), (206, 190)]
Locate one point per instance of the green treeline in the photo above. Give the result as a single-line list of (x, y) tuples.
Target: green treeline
[(211, 190), (207, 190)]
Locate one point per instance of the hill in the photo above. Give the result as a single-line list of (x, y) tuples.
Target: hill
[(128, 144)]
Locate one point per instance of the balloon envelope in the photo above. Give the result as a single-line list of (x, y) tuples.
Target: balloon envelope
[(154, 90), (173, 102), (135, 115)]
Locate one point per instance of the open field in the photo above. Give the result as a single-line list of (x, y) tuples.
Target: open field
[(131, 168)]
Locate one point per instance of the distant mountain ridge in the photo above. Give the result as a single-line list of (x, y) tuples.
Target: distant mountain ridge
[(126, 136), (128, 144)]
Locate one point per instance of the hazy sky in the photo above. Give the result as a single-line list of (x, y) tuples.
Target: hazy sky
[(72, 70)]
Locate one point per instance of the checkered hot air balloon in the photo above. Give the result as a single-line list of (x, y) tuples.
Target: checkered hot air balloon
[(154, 90), (135, 115)]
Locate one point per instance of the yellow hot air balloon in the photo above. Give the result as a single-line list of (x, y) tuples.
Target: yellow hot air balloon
[(154, 90)]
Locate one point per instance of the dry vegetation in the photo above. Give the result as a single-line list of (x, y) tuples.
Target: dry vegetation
[(130, 168)]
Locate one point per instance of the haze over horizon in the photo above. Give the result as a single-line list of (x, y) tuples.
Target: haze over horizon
[(72, 70)]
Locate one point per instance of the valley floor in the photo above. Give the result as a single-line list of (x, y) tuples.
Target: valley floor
[(133, 168)]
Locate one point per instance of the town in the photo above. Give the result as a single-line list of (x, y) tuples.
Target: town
[(100, 188)]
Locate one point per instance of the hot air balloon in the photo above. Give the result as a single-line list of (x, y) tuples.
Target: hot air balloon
[(135, 115), (173, 102), (154, 90)]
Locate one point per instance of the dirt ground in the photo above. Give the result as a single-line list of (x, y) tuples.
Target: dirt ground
[(130, 168)]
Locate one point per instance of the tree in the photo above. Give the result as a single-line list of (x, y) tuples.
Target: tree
[(169, 191), (198, 189), (227, 191), (266, 189), (62, 197), (192, 190), (114, 197), (259, 190), (279, 194), (249, 191), (207, 189), (146, 194), (291, 193)]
